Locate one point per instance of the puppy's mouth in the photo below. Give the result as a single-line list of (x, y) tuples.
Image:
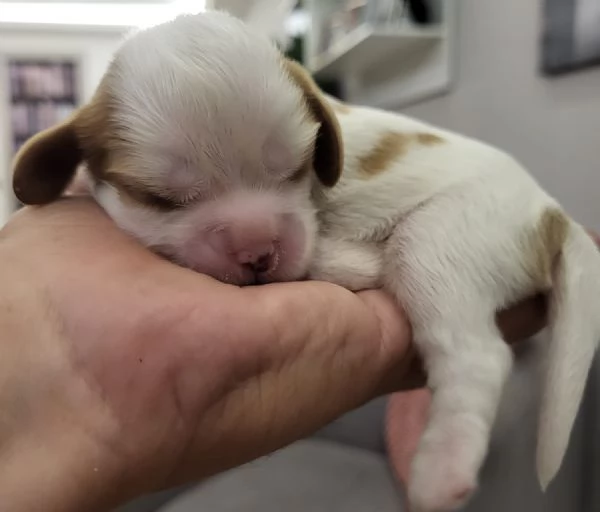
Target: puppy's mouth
[(285, 263), (243, 275), (259, 276)]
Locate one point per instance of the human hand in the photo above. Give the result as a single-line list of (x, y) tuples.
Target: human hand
[(124, 374)]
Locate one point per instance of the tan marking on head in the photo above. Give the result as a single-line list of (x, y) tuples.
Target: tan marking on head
[(328, 158), (428, 139), (544, 245), (48, 162), (389, 147), (97, 133)]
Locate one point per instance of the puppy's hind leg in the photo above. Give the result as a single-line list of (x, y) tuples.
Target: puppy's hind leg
[(467, 364), (452, 312)]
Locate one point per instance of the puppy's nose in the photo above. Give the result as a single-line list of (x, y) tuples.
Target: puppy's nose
[(263, 264), (259, 260)]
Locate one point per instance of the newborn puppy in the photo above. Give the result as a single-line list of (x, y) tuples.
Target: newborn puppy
[(210, 147)]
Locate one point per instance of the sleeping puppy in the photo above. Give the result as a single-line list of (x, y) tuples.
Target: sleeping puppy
[(212, 149)]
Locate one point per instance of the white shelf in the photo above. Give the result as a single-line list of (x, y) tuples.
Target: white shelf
[(387, 66), (366, 47)]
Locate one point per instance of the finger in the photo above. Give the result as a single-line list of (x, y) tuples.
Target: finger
[(394, 328), (333, 351)]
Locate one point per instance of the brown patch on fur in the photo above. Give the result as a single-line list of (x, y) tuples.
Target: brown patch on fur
[(47, 163), (96, 132), (328, 158), (388, 148), (429, 139), (545, 245)]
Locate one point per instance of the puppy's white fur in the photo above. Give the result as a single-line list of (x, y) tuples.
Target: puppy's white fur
[(453, 228), (443, 229), (213, 116)]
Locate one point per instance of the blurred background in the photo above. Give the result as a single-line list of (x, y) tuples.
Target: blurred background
[(522, 75)]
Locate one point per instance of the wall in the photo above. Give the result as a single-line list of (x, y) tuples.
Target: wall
[(94, 49), (551, 125)]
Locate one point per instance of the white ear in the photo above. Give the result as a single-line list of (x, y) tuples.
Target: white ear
[(266, 16)]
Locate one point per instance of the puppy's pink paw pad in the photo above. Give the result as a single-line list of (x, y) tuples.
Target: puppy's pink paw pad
[(441, 500), (456, 496), (440, 486)]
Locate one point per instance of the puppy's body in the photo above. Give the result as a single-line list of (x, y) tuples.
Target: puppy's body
[(212, 149), (395, 166), (456, 230)]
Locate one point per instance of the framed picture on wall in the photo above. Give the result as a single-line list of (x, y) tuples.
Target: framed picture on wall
[(42, 92), (570, 35)]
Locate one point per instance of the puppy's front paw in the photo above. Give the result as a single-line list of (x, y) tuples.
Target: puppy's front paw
[(444, 477)]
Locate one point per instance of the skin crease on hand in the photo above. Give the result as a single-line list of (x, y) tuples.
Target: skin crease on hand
[(122, 373)]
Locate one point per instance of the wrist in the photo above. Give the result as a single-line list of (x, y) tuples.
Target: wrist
[(55, 472), (49, 460)]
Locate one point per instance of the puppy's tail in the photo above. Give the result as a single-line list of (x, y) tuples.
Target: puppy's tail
[(574, 324)]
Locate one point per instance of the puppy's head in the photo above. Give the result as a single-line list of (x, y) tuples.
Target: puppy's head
[(203, 142)]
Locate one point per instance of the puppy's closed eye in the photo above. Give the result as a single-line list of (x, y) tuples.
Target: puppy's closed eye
[(299, 173), (147, 197), (161, 202)]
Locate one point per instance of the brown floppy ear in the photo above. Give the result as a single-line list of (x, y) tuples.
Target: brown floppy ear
[(46, 164), (328, 159)]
